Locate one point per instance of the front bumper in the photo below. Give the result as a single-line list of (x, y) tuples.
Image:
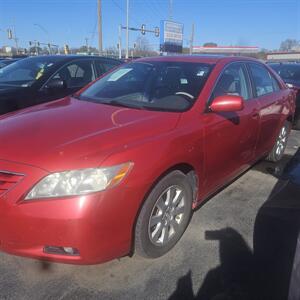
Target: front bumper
[(99, 225)]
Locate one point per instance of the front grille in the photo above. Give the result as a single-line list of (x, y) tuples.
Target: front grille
[(8, 180)]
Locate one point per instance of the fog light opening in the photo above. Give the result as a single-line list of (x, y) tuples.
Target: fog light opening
[(61, 250)]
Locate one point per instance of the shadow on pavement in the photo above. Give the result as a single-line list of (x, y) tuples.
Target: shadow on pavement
[(272, 270), (45, 265)]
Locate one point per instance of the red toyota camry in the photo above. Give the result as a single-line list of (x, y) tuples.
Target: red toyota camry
[(119, 167)]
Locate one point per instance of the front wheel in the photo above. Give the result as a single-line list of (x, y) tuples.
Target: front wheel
[(281, 142), (164, 216)]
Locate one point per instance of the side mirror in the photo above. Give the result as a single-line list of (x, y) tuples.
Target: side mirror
[(56, 84), (227, 103)]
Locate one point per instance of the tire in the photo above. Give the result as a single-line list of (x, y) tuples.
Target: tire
[(162, 222), (278, 149)]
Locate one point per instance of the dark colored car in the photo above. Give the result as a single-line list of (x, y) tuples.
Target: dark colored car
[(277, 237), (120, 165), (290, 73), (35, 80), (6, 62)]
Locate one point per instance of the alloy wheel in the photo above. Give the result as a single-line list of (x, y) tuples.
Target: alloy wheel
[(166, 216), (281, 141)]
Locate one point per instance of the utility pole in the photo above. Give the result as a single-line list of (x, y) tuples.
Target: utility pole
[(192, 38), (36, 47), (127, 30), (87, 44), (170, 9), (100, 46), (120, 41)]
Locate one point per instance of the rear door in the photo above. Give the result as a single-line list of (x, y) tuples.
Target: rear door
[(270, 97), (230, 137)]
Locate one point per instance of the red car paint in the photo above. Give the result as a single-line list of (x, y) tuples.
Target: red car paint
[(72, 134)]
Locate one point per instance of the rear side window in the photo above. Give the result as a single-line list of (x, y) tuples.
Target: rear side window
[(233, 81), (262, 80)]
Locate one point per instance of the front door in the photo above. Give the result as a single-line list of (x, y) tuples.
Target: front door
[(75, 75), (230, 137)]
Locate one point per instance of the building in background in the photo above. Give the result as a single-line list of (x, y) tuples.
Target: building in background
[(283, 56), (233, 50)]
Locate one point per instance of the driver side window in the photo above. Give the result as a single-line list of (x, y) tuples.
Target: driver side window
[(233, 81), (76, 74)]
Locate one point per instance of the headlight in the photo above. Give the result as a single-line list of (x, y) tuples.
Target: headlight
[(79, 182)]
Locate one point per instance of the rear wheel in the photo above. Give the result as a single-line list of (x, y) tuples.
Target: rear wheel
[(278, 150), (164, 216)]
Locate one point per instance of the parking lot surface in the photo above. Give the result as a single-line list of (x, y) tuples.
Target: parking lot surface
[(216, 247)]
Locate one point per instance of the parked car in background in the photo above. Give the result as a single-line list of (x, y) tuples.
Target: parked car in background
[(119, 166), (39, 79), (6, 62), (290, 73), (278, 255)]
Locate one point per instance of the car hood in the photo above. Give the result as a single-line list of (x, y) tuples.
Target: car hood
[(70, 133)]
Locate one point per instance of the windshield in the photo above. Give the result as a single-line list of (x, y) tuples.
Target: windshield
[(288, 72), (25, 72), (165, 86)]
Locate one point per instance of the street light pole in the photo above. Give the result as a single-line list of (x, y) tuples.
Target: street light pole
[(127, 30), (192, 38), (120, 41), (87, 45)]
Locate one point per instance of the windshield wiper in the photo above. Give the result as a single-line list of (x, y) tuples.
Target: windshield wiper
[(118, 103)]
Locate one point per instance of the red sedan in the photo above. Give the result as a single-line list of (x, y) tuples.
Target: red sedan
[(120, 166)]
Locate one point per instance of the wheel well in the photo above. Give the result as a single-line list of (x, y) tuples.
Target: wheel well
[(192, 177), (191, 174)]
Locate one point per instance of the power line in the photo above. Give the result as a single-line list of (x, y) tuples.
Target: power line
[(138, 21), (153, 9), (124, 11), (158, 9)]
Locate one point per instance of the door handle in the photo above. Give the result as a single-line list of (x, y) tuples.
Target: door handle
[(255, 115)]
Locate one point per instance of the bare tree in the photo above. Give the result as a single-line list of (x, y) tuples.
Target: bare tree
[(143, 48), (289, 44), (210, 44)]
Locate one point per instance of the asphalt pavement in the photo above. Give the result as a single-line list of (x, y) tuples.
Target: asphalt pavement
[(213, 259)]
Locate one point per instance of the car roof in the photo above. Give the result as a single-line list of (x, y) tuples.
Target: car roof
[(209, 59), (66, 58)]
